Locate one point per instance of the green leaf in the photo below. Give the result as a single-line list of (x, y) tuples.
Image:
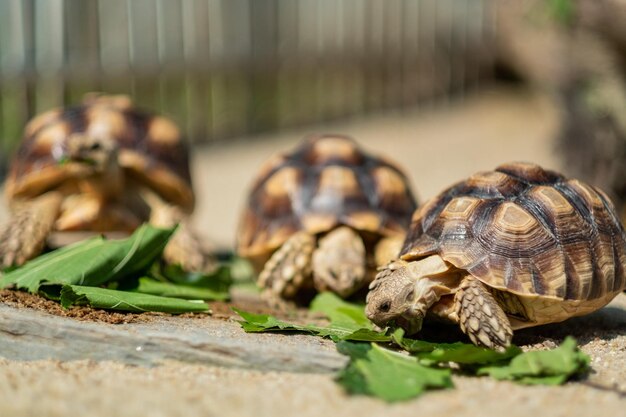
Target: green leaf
[(366, 335), (254, 323), (340, 311), (546, 367), (347, 321), (351, 377), (126, 301), (92, 262), (466, 354), (389, 375), (218, 281), (412, 345), (165, 289), (460, 353)]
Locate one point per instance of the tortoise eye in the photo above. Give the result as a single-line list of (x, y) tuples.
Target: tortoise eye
[(95, 146), (384, 307)]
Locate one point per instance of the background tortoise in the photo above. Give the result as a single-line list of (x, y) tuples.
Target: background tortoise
[(101, 166), (511, 248), (332, 210)]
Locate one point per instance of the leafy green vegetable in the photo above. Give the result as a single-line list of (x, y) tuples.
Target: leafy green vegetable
[(379, 372), (257, 323), (546, 367), (460, 353), (253, 323), (388, 375), (218, 281), (92, 262), (126, 301), (165, 289), (340, 311)]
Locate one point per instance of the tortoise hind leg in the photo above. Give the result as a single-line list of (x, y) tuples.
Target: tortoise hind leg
[(24, 236), (288, 271), (480, 316), (339, 263)]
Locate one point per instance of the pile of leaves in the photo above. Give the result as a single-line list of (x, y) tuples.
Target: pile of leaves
[(394, 368), (119, 275)]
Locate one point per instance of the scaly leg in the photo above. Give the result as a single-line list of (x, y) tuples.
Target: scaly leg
[(24, 236), (339, 262), (480, 316), (288, 270), (185, 248)]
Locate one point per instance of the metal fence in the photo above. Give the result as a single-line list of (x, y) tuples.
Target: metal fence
[(232, 67)]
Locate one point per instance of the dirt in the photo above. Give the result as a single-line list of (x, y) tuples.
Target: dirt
[(218, 309), (25, 300)]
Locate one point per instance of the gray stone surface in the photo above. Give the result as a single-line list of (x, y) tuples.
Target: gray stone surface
[(28, 334)]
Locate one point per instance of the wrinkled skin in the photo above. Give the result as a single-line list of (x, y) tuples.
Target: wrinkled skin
[(391, 299)]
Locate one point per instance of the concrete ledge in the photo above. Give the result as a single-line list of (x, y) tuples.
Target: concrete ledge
[(28, 334)]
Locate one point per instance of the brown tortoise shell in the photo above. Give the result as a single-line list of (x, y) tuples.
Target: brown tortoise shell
[(525, 230), (151, 148), (325, 182)]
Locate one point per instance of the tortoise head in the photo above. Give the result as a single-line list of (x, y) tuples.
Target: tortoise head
[(391, 299), (97, 154)]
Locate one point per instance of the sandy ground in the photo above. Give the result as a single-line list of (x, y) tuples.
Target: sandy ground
[(437, 148)]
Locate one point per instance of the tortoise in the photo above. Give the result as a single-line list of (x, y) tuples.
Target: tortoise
[(101, 166), (321, 217), (506, 249)]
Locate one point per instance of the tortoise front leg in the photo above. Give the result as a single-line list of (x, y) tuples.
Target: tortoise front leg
[(480, 316), (288, 270), (24, 236), (339, 263), (185, 248)]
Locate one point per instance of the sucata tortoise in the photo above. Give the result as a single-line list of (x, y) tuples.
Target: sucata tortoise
[(322, 217), (101, 166), (506, 249)]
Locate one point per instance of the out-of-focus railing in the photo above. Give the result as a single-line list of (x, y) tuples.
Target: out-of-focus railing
[(231, 67)]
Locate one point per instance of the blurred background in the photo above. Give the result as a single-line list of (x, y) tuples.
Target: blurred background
[(446, 87)]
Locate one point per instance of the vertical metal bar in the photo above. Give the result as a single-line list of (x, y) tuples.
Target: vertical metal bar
[(262, 106), (49, 52), (392, 50), (428, 46), (288, 62), (114, 46), (230, 90), (354, 18), (461, 28), (12, 42), (13, 47), (144, 59), (81, 40), (196, 57), (170, 69)]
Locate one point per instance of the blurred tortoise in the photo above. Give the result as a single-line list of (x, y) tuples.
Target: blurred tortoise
[(322, 217), (102, 166), (507, 249)]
